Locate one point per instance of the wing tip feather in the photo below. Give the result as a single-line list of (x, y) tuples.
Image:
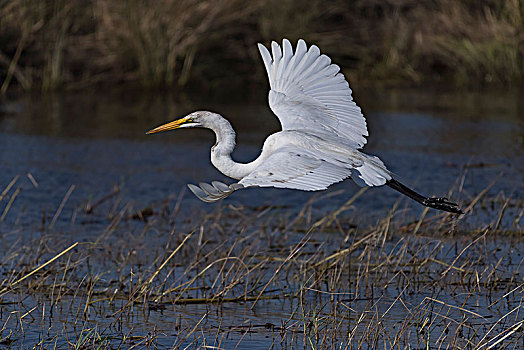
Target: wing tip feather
[(305, 71)]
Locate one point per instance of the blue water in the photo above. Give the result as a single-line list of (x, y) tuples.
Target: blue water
[(91, 144), (96, 142)]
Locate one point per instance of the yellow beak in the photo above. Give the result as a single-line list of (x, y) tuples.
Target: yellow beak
[(171, 125)]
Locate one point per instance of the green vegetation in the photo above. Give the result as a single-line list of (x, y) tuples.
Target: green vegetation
[(58, 44)]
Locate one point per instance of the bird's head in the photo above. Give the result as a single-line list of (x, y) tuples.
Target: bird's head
[(203, 119)]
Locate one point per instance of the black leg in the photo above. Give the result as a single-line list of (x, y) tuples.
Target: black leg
[(437, 203)]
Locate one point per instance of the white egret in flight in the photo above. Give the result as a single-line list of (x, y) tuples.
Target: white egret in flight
[(322, 133)]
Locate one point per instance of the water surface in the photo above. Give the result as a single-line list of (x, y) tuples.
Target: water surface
[(96, 141), (65, 153)]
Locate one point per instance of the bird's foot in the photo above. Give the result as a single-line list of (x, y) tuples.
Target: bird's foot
[(442, 203), (214, 191)]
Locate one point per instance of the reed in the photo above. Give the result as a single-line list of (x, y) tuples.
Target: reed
[(292, 278), (75, 44)]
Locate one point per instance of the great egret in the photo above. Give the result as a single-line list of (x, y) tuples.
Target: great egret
[(322, 133)]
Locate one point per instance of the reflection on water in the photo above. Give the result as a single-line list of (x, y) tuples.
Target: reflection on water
[(96, 141), (462, 120)]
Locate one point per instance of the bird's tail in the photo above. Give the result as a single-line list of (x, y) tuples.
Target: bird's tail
[(372, 172)]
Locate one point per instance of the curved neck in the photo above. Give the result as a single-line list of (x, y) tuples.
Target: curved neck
[(221, 152)]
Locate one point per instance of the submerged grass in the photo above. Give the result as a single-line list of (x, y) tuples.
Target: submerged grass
[(239, 276), (59, 44)]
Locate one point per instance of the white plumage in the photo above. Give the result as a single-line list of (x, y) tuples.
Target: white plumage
[(308, 93), (292, 167), (322, 133)]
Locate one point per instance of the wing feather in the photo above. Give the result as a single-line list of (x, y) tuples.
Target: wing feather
[(266, 57), (277, 56), (309, 93), (295, 168)]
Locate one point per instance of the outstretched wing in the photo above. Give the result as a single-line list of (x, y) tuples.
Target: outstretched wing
[(308, 93), (295, 168), (288, 167)]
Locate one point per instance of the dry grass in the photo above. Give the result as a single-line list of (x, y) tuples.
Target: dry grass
[(73, 44), (156, 277)]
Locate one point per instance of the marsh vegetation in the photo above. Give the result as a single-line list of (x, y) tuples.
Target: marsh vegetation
[(240, 276), (50, 45)]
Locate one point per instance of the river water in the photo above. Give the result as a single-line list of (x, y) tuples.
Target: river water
[(432, 141), (63, 153)]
